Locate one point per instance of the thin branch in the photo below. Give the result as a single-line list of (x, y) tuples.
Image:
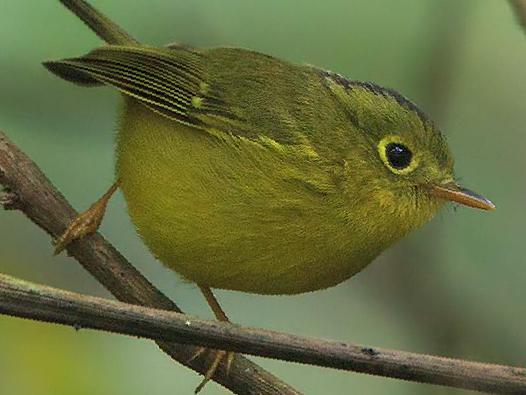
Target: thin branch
[(28, 300), (28, 190), (520, 10)]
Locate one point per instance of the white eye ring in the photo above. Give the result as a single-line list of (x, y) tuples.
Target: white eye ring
[(383, 148)]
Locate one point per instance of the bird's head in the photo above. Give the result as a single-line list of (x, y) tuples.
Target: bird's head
[(405, 164)]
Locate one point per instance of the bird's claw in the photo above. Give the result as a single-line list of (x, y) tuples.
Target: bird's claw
[(220, 356), (86, 223)]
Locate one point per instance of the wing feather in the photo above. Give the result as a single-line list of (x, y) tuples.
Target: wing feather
[(170, 81)]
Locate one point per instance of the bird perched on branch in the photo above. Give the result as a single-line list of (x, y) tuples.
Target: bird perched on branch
[(245, 172)]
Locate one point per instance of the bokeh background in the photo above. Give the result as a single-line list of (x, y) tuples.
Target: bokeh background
[(454, 288)]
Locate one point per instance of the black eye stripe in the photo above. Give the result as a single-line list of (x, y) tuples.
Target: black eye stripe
[(398, 155)]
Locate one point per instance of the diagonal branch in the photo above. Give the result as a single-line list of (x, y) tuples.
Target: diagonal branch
[(28, 300), (28, 190)]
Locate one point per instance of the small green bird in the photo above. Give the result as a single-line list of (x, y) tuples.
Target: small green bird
[(245, 172)]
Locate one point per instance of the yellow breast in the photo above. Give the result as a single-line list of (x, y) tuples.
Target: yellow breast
[(228, 212)]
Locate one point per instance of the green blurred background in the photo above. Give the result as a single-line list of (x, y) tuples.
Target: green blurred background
[(454, 288)]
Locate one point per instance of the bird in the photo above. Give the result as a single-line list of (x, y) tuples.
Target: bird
[(249, 173)]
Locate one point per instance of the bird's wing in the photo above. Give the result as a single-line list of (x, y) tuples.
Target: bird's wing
[(168, 81), (232, 91), (236, 91)]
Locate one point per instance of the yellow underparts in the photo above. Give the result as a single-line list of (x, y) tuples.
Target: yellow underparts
[(228, 212)]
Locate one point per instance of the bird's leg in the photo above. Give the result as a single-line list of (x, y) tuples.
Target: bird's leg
[(87, 222), (219, 354)]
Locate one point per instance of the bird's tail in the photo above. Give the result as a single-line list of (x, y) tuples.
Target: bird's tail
[(104, 27)]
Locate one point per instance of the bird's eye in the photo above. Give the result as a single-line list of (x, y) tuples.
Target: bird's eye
[(398, 155)]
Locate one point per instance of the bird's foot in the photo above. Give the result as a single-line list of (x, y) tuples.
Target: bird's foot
[(85, 223), (220, 356)]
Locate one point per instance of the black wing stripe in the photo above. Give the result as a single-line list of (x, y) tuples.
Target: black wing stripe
[(170, 82), (172, 79), (152, 63), (135, 73), (135, 88)]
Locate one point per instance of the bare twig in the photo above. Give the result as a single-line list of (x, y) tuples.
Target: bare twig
[(29, 191), (28, 300), (520, 10)]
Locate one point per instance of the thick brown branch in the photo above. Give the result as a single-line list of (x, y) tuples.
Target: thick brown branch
[(23, 299), (28, 190)]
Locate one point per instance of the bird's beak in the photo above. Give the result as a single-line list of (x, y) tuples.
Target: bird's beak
[(455, 193)]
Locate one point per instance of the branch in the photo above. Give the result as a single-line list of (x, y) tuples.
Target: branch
[(28, 300), (520, 10), (28, 190)]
